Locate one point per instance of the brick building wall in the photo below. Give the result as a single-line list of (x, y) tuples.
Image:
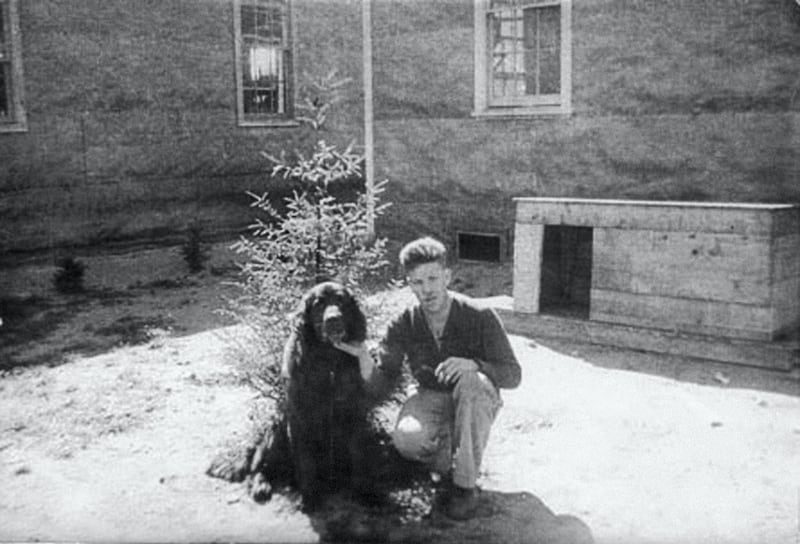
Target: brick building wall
[(131, 109), (675, 99), (132, 119)]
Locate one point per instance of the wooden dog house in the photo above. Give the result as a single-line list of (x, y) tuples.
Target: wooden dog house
[(711, 280)]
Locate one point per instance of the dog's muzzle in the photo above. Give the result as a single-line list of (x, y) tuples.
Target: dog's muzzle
[(333, 324)]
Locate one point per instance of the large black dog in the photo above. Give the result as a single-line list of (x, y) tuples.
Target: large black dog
[(326, 405), (324, 438)]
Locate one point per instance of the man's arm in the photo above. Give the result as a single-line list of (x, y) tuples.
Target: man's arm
[(290, 355), (498, 361), (380, 368), (499, 364)]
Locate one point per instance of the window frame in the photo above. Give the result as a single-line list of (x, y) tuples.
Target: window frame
[(16, 120), (282, 119), (502, 244), (533, 105)]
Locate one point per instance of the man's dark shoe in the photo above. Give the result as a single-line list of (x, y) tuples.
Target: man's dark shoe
[(462, 503)]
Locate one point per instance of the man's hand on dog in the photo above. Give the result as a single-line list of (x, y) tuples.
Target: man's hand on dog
[(450, 370), (358, 350), (447, 372)]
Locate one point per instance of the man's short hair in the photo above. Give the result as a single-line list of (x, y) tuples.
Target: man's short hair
[(422, 251)]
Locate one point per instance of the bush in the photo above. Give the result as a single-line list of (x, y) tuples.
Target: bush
[(319, 237), (194, 251), (69, 275)]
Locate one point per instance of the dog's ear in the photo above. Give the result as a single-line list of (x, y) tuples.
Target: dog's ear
[(292, 355), (355, 320), (303, 321)]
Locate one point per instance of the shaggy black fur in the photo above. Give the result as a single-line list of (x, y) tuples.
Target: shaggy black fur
[(327, 436), (327, 406)]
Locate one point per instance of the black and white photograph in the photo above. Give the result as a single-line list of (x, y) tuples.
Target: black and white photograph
[(401, 271)]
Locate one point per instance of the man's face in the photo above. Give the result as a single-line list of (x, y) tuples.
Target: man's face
[(429, 283)]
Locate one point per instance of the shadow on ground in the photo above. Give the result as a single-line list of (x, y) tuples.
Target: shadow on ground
[(699, 371), (50, 328), (406, 506), (502, 518), (45, 330)]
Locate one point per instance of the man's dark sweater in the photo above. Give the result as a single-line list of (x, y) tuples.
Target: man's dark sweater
[(471, 331)]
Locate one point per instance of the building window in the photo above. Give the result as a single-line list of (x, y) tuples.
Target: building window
[(522, 57), (264, 57), (479, 246), (12, 112)]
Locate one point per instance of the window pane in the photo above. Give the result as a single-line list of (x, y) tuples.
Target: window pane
[(269, 22), (2, 26), (549, 50), (263, 19), (543, 50), (4, 94), (264, 57), (12, 113), (510, 4), (260, 101), (525, 48), (262, 65), (248, 20), (263, 79), (508, 71), (531, 51)]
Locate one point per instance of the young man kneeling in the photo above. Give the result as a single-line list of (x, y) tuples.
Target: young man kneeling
[(460, 355)]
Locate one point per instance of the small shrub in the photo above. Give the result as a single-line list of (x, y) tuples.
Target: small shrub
[(194, 251), (318, 237), (69, 275)]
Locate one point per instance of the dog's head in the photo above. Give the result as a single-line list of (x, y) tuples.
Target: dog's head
[(330, 313)]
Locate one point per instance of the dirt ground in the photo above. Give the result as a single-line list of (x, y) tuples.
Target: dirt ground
[(113, 402)]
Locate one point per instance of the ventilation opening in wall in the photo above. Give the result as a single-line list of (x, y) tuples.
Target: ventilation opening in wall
[(475, 246), (566, 272)]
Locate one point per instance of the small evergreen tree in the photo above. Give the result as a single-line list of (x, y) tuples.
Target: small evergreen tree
[(69, 275), (193, 249), (318, 237)]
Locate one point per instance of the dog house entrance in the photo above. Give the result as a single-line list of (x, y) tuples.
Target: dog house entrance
[(566, 272)]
